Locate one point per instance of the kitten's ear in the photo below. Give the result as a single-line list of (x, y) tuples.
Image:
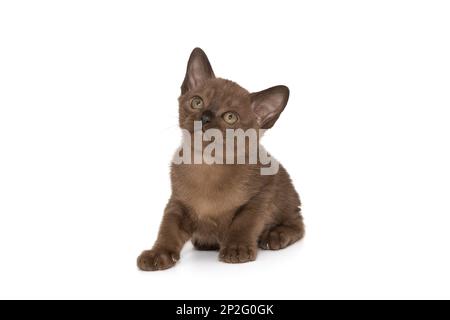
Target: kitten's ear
[(268, 105), (198, 70)]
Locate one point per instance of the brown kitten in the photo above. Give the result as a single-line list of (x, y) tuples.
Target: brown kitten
[(226, 207)]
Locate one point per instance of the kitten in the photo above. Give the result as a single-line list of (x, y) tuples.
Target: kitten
[(232, 208)]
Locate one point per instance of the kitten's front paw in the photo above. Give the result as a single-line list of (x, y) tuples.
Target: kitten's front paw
[(237, 253), (157, 259)]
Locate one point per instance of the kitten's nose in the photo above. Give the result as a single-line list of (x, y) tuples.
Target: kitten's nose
[(207, 117)]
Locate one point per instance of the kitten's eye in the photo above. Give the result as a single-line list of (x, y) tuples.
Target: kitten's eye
[(230, 117), (196, 102)]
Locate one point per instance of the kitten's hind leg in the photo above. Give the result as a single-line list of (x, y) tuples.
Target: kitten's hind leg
[(284, 234), (205, 245)]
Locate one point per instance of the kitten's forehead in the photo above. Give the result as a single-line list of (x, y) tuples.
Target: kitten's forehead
[(226, 91)]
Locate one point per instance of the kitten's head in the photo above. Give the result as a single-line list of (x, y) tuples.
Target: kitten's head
[(223, 104)]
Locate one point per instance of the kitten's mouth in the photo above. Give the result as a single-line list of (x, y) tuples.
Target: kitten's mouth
[(195, 130), (206, 127), (203, 128)]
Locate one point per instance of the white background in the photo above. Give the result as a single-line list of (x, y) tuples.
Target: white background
[(88, 125)]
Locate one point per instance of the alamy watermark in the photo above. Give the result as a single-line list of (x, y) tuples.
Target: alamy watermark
[(237, 147)]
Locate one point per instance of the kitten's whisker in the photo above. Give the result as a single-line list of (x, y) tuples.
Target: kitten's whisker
[(169, 128)]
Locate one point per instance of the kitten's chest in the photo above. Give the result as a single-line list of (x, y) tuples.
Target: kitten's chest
[(210, 191)]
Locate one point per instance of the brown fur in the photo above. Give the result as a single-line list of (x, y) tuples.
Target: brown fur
[(231, 208)]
